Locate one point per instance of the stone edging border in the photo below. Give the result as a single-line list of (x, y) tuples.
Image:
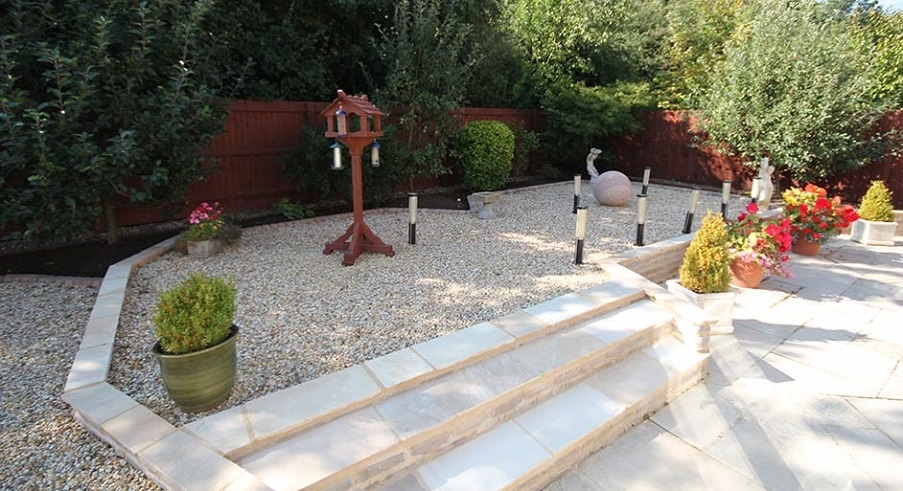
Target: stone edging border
[(178, 457)]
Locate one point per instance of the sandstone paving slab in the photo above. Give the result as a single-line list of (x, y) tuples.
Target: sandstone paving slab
[(551, 352), (649, 458), (885, 328), (460, 345), (183, 462), (398, 367), (793, 375), (570, 307), (520, 323), (568, 416), (847, 361), (225, 431), (884, 414), (876, 293), (874, 452), (699, 416), (786, 454), (632, 379), (893, 386), (486, 462), (733, 357), (279, 411), (428, 405), (307, 458)]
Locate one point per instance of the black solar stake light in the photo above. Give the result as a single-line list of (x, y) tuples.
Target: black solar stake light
[(694, 202), (412, 218), (725, 197), (646, 173), (580, 233), (578, 182), (640, 218)]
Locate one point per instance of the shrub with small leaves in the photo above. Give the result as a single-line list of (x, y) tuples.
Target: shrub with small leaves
[(195, 315), (706, 264), (486, 150), (876, 205)]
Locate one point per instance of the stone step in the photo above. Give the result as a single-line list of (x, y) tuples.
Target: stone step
[(531, 450), (482, 393)]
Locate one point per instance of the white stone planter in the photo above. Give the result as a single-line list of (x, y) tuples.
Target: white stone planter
[(718, 305), (484, 203), (202, 249), (873, 233)]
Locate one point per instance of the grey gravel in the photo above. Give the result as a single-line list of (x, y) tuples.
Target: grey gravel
[(301, 313), (41, 446)]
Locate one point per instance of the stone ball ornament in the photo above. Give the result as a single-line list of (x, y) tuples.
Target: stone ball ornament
[(611, 188)]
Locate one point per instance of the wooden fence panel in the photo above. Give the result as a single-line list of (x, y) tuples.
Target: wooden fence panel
[(257, 134)]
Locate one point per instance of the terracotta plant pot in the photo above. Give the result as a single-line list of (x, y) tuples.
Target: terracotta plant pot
[(804, 247), (746, 274)]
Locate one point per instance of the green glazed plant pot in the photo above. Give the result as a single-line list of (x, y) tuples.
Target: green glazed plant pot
[(201, 380)]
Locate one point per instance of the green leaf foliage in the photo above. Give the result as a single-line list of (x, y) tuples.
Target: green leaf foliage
[(195, 315), (706, 264), (99, 101), (789, 88), (486, 151), (580, 117), (876, 204)]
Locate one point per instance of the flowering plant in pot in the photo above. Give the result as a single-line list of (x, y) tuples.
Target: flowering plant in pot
[(207, 231), (813, 217), (196, 341), (759, 244), (205, 221)]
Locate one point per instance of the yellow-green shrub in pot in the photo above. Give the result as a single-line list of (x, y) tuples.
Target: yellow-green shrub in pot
[(196, 341), (704, 274), (876, 225)]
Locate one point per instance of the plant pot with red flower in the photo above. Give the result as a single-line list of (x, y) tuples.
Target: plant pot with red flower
[(758, 247), (814, 218)]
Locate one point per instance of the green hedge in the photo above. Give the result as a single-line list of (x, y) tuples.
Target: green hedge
[(486, 152)]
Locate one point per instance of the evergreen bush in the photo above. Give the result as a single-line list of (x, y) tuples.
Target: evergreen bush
[(486, 151), (876, 205), (195, 315), (706, 264)]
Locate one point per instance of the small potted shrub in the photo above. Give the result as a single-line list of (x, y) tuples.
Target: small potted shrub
[(876, 225), (704, 274), (196, 341)]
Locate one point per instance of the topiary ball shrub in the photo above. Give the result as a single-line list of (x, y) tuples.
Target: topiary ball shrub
[(486, 151), (706, 264), (876, 205), (195, 315)]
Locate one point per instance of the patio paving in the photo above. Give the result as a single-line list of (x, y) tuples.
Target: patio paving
[(807, 393)]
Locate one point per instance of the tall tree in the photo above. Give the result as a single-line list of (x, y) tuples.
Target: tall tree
[(427, 72), (790, 89), (99, 100)]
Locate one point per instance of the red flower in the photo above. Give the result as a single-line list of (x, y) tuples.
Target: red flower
[(752, 208)]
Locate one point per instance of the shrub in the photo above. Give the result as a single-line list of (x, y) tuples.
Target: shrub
[(876, 205), (486, 150), (195, 315), (706, 264)]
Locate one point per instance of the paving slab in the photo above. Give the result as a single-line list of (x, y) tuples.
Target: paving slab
[(806, 394)]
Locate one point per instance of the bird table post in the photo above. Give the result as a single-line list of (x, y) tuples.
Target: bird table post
[(355, 123)]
